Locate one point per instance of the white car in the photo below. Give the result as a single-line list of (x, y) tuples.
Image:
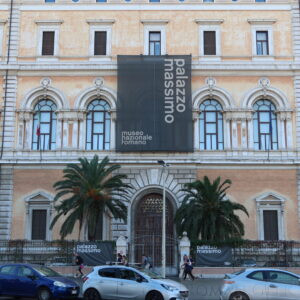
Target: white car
[(261, 284), (120, 282)]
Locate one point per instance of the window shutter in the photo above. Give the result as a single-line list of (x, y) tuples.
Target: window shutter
[(209, 42), (100, 43), (38, 227), (48, 43), (271, 225)]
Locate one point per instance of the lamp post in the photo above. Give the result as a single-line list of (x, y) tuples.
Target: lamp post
[(163, 243)]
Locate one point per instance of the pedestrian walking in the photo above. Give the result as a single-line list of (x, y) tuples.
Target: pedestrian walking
[(124, 260), (182, 267), (144, 261), (188, 268), (79, 263), (119, 259)]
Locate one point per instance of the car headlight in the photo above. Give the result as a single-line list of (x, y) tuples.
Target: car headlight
[(169, 287), (58, 283)]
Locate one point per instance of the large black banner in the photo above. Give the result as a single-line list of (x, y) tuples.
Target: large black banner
[(95, 253), (154, 107), (213, 256)]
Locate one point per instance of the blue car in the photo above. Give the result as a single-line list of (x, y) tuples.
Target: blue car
[(25, 280)]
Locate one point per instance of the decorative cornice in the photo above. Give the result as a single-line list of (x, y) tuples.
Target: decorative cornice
[(101, 21), (261, 21), (49, 22), (209, 22), (154, 22), (2, 21)]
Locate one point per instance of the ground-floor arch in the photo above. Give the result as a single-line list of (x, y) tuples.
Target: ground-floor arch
[(147, 230)]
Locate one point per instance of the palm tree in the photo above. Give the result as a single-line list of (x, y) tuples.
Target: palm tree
[(86, 191), (206, 213)]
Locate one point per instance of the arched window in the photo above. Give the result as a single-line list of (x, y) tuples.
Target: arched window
[(211, 125), (98, 125), (44, 126), (265, 126)]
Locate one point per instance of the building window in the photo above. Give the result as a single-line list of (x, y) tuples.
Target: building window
[(49, 1), (206, 1), (270, 218), (262, 38), (260, 0), (100, 39), (103, 1), (38, 224), (155, 37), (154, 43), (48, 43), (48, 37), (38, 216), (154, 1), (100, 42), (265, 126), (44, 126), (209, 42), (262, 43), (98, 125), (209, 38), (211, 125)]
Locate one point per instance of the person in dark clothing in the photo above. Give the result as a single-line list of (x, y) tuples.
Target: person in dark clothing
[(188, 267), (119, 259), (79, 263)]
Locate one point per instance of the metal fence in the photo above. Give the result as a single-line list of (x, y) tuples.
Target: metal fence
[(265, 253), (39, 252)]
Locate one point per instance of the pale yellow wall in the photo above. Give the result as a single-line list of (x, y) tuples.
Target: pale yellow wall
[(182, 32), (238, 86), (26, 183), (249, 184), (4, 17), (71, 86)]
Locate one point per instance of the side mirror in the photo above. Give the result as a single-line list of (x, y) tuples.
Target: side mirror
[(139, 279), (32, 277)]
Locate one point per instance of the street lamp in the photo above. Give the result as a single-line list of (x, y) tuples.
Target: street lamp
[(163, 243)]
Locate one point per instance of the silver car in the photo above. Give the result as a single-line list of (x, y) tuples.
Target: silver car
[(120, 282), (261, 284)]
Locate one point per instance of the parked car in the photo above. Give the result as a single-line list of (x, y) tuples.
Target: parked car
[(120, 282), (43, 283), (261, 284), (248, 263)]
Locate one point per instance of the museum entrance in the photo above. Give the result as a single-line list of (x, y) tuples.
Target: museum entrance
[(147, 239)]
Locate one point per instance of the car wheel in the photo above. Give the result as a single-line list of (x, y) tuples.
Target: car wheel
[(154, 296), (44, 294), (238, 296), (91, 294)]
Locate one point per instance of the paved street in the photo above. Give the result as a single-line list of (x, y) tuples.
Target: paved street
[(200, 289)]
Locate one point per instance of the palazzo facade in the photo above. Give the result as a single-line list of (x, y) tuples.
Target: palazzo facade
[(58, 65)]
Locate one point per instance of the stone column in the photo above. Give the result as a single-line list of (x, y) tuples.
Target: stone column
[(122, 245), (196, 129), (184, 249), (113, 130), (28, 118), (289, 130), (227, 134), (24, 136), (59, 130), (82, 130)]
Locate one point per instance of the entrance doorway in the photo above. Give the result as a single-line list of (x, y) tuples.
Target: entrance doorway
[(147, 239)]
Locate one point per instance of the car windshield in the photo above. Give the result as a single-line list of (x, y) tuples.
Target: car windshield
[(151, 274), (44, 271)]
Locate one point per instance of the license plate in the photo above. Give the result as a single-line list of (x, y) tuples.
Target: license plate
[(74, 292)]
